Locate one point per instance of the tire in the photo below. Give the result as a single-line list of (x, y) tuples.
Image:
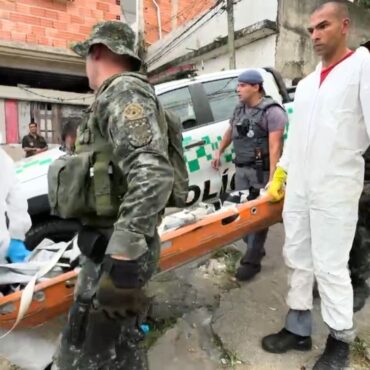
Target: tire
[(55, 229)]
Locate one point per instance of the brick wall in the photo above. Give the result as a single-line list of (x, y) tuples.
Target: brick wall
[(54, 23), (186, 10)]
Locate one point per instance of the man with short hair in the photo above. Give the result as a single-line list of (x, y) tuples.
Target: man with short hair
[(256, 131), (33, 143), (68, 139), (323, 167), (124, 138)]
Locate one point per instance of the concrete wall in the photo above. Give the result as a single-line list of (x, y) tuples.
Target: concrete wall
[(259, 53), (295, 56), (212, 27)]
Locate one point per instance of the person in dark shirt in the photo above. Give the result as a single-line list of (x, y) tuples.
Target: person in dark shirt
[(68, 139), (33, 143)]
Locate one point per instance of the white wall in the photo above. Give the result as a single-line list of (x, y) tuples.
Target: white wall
[(246, 12), (260, 53)]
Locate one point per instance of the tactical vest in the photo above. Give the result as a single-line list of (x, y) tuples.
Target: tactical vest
[(90, 185), (249, 137)]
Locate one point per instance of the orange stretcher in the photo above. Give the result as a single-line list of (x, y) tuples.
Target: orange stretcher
[(54, 296)]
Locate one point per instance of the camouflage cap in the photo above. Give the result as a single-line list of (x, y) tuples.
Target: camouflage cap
[(116, 36)]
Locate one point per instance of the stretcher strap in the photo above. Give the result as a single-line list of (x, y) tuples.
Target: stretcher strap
[(27, 293)]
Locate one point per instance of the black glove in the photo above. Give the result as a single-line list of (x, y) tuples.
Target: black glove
[(119, 291), (92, 243)]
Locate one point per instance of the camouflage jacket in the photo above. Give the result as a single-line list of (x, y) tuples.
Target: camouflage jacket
[(127, 113)]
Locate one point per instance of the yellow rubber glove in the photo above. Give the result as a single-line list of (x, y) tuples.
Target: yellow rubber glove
[(276, 187)]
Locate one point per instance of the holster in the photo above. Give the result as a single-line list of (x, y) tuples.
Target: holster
[(92, 243), (259, 164), (253, 193), (78, 317)]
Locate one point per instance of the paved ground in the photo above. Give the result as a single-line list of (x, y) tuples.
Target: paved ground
[(245, 313), (220, 322)]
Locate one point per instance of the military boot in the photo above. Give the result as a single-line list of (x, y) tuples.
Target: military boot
[(247, 271), (285, 341), (361, 292), (250, 264), (335, 356)]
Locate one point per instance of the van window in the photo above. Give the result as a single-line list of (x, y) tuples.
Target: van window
[(222, 97), (179, 102)]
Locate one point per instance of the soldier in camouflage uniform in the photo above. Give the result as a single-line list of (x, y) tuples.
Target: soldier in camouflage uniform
[(359, 261), (103, 330)]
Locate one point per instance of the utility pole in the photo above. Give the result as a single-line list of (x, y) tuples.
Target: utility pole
[(133, 14), (174, 11), (231, 36), (140, 27)]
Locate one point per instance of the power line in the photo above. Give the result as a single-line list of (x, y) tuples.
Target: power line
[(187, 36), (61, 100), (178, 39), (180, 13)]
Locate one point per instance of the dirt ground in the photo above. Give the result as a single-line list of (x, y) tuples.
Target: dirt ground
[(205, 320)]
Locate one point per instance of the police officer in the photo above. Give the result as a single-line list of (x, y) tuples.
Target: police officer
[(103, 329), (256, 131)]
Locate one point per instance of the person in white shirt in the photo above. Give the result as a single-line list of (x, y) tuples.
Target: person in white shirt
[(14, 218), (323, 166)]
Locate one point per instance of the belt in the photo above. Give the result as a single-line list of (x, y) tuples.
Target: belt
[(246, 164)]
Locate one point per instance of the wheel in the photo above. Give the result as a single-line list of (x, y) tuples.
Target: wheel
[(55, 229)]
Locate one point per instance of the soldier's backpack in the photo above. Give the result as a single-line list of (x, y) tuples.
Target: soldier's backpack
[(89, 185), (176, 154)]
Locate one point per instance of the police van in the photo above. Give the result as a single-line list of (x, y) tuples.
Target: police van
[(205, 104)]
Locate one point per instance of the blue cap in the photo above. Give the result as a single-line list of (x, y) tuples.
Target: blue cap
[(251, 76)]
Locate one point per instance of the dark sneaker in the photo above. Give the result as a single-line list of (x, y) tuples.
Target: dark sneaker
[(285, 341), (335, 356), (247, 271)]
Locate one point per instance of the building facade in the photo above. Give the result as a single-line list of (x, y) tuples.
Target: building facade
[(41, 79), (162, 17), (267, 33)]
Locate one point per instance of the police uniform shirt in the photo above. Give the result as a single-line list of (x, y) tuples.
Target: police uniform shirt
[(30, 141)]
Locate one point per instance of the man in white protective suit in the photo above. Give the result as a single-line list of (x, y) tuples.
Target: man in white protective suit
[(14, 219), (323, 168)]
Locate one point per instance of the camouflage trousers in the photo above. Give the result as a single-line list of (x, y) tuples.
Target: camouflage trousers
[(93, 341), (359, 261)]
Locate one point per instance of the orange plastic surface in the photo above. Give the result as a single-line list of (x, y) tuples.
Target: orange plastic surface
[(53, 297)]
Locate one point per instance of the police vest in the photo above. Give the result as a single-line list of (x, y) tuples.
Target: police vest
[(249, 137)]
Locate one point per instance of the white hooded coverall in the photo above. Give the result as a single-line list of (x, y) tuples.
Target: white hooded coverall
[(12, 203), (323, 159)]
